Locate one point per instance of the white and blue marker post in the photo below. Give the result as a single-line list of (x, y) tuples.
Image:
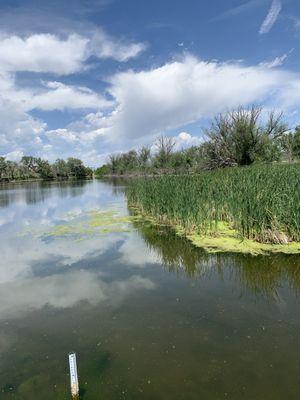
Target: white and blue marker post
[(73, 376)]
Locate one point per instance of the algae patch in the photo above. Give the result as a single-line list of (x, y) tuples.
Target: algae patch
[(225, 239), (226, 243), (83, 226), (90, 224)]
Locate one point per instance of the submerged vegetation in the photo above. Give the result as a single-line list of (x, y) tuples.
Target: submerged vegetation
[(37, 168), (251, 209), (237, 138)]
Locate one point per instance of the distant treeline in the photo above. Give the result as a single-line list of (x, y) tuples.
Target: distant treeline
[(235, 138), (36, 168)]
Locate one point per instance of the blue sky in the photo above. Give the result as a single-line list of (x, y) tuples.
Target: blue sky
[(91, 77)]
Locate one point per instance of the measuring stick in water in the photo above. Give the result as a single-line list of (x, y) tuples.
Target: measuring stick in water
[(73, 376)]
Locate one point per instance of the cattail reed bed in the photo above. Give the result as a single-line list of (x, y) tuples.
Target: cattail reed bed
[(260, 203)]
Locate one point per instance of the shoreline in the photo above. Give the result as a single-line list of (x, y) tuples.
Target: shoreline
[(43, 180), (147, 175), (223, 240)]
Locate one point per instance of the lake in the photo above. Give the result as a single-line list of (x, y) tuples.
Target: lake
[(149, 315)]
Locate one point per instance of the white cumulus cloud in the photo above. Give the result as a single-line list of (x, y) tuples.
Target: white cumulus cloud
[(49, 96), (57, 55), (182, 92), (43, 53), (185, 139), (60, 97), (143, 104)]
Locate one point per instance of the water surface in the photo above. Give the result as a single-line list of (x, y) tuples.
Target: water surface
[(149, 315)]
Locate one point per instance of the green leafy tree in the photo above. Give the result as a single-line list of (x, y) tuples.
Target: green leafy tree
[(3, 167), (296, 146), (144, 156), (164, 149), (102, 171), (37, 168), (60, 169), (44, 169), (238, 138), (288, 146), (76, 168)]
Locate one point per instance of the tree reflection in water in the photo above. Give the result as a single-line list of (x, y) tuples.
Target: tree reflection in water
[(262, 275)]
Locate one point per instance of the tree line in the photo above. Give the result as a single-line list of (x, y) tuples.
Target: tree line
[(37, 168), (235, 138)]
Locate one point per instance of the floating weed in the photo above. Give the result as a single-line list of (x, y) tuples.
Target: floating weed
[(90, 224), (81, 226)]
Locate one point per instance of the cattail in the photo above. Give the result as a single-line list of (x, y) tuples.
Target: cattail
[(261, 202)]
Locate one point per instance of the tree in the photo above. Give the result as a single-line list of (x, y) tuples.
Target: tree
[(37, 168), (164, 147), (129, 161), (238, 138), (13, 171), (269, 150), (3, 167), (76, 168), (144, 155), (296, 146), (44, 169), (60, 169), (288, 146), (102, 171), (30, 165), (113, 163)]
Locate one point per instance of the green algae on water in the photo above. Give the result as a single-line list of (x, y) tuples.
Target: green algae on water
[(82, 226), (226, 242), (224, 239), (90, 224)]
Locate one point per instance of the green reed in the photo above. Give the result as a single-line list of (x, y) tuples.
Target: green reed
[(261, 202)]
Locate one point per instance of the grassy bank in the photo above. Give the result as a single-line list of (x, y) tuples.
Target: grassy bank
[(253, 209)]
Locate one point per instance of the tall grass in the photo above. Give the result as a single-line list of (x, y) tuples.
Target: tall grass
[(261, 202)]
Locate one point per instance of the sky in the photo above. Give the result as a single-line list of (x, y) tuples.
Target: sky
[(87, 78)]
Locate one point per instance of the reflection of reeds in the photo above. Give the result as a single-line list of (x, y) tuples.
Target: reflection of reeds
[(261, 275), (175, 252), (265, 275)]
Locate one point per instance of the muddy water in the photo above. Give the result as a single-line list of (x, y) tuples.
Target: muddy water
[(149, 316)]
